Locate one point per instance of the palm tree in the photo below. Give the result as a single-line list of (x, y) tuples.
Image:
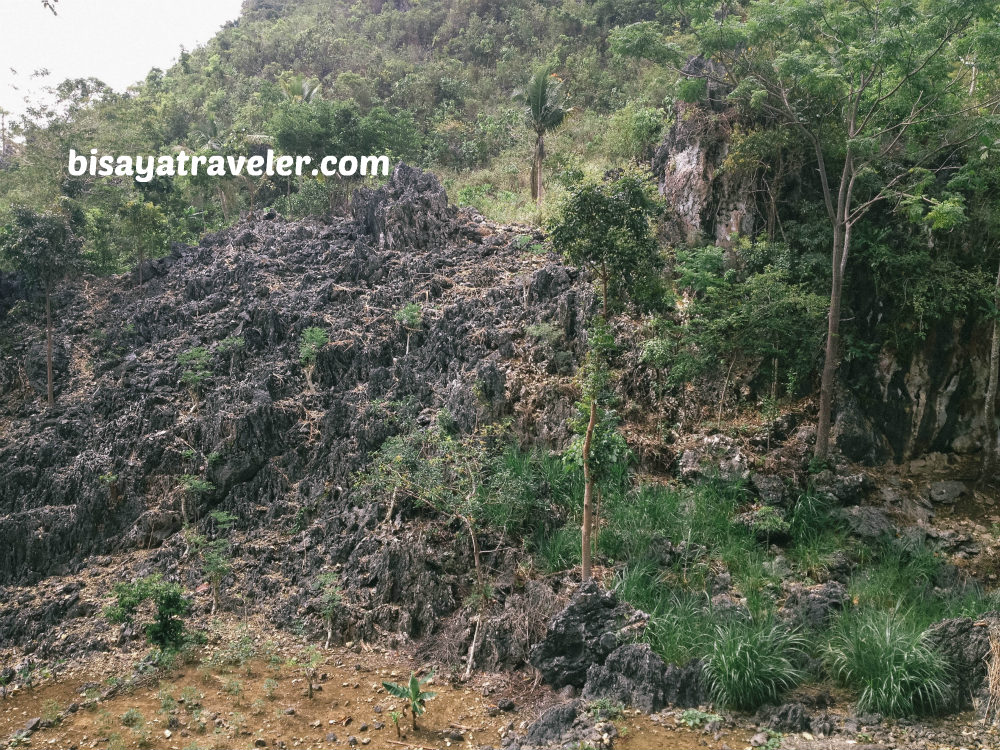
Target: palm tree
[(545, 110), (298, 88)]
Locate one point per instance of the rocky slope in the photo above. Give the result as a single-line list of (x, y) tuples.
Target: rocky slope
[(103, 472)]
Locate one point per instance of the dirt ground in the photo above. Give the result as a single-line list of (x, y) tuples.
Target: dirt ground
[(263, 703)]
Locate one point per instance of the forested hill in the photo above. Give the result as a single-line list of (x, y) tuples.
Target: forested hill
[(665, 363), (430, 82)]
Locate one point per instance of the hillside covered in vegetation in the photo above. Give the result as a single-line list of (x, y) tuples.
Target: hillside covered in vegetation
[(650, 401)]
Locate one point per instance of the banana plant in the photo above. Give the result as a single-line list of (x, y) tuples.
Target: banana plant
[(413, 692)]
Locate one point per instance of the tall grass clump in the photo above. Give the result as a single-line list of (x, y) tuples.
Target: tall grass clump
[(682, 627), (753, 663), (883, 656)]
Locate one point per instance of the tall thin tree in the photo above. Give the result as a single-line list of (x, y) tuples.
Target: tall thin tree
[(545, 110), (880, 91), (44, 248)]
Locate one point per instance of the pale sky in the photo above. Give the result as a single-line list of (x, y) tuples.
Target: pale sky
[(117, 41)]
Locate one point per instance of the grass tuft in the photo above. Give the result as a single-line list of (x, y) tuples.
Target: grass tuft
[(884, 657)]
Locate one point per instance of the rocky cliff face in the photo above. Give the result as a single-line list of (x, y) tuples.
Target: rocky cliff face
[(103, 471), (905, 405), (708, 203)]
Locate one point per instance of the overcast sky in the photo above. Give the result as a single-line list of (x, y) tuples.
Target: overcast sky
[(117, 41)]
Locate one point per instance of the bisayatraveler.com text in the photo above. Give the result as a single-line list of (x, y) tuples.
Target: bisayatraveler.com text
[(182, 164)]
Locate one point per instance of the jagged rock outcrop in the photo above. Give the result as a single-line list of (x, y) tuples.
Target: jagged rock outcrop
[(965, 644), (706, 200), (101, 472), (634, 676), (592, 625), (814, 606), (564, 726), (411, 211)]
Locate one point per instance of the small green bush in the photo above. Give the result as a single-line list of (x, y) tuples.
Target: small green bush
[(196, 370), (752, 663), (133, 718), (694, 718), (884, 657), (313, 339), (167, 628)]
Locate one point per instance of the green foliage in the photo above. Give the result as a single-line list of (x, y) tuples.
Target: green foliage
[(605, 709), (195, 363), (230, 344), (767, 521), (411, 316), (694, 718), (215, 553), (607, 227), (883, 656), (42, 246), (167, 628), (558, 550), (759, 318), (413, 691), (313, 339), (270, 688), (195, 485), (635, 131), (609, 453), (544, 102), (752, 664), (331, 599), (133, 718), (145, 226), (478, 477)]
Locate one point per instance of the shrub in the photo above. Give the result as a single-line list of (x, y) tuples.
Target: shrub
[(331, 597), (411, 317), (313, 339), (271, 688), (884, 657), (196, 371), (753, 663), (634, 131), (167, 628), (133, 718), (694, 718)]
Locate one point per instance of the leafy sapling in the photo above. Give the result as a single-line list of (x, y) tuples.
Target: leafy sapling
[(413, 692), (309, 665), (411, 317), (331, 598), (216, 560), (192, 486), (313, 339)]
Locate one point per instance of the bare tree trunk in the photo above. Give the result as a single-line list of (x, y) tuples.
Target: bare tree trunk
[(536, 169), (841, 245), (990, 407), (475, 552), (588, 493), (48, 344), (470, 658)]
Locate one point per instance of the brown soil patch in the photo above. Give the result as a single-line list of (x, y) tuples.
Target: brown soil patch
[(214, 706)]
